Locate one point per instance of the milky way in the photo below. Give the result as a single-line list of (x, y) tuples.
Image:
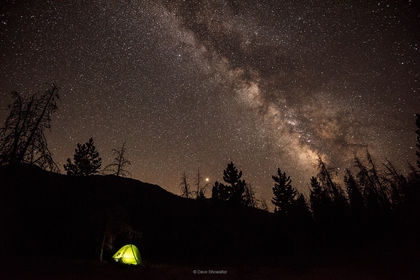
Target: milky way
[(193, 84)]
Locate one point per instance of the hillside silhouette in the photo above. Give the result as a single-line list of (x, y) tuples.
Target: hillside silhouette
[(49, 214)]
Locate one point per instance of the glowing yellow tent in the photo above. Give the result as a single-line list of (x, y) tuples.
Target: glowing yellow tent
[(128, 254)]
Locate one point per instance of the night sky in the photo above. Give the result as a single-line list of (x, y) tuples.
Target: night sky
[(191, 84)]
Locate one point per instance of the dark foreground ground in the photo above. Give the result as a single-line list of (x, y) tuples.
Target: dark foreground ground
[(384, 267), (68, 218)]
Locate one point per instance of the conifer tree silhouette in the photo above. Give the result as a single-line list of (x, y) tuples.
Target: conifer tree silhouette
[(284, 193), (397, 184), (232, 176), (374, 201), (337, 200), (355, 196), (235, 188), (22, 139), (381, 188), (320, 201), (86, 160), (300, 211), (221, 192), (316, 198)]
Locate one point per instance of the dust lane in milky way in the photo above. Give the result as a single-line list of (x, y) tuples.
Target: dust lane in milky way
[(197, 83)]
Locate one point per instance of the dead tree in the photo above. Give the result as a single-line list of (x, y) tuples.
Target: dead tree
[(120, 162), (185, 187), (22, 139), (197, 183)]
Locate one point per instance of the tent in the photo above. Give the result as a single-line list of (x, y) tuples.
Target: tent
[(128, 254)]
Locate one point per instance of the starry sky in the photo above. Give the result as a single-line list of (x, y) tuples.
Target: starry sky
[(195, 84)]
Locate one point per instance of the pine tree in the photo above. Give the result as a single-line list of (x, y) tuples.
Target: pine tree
[(232, 176), (354, 194), (221, 192), (284, 193), (300, 210), (319, 200), (22, 139), (326, 180), (381, 188), (120, 162), (234, 190), (86, 160), (376, 202), (339, 203), (397, 183)]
